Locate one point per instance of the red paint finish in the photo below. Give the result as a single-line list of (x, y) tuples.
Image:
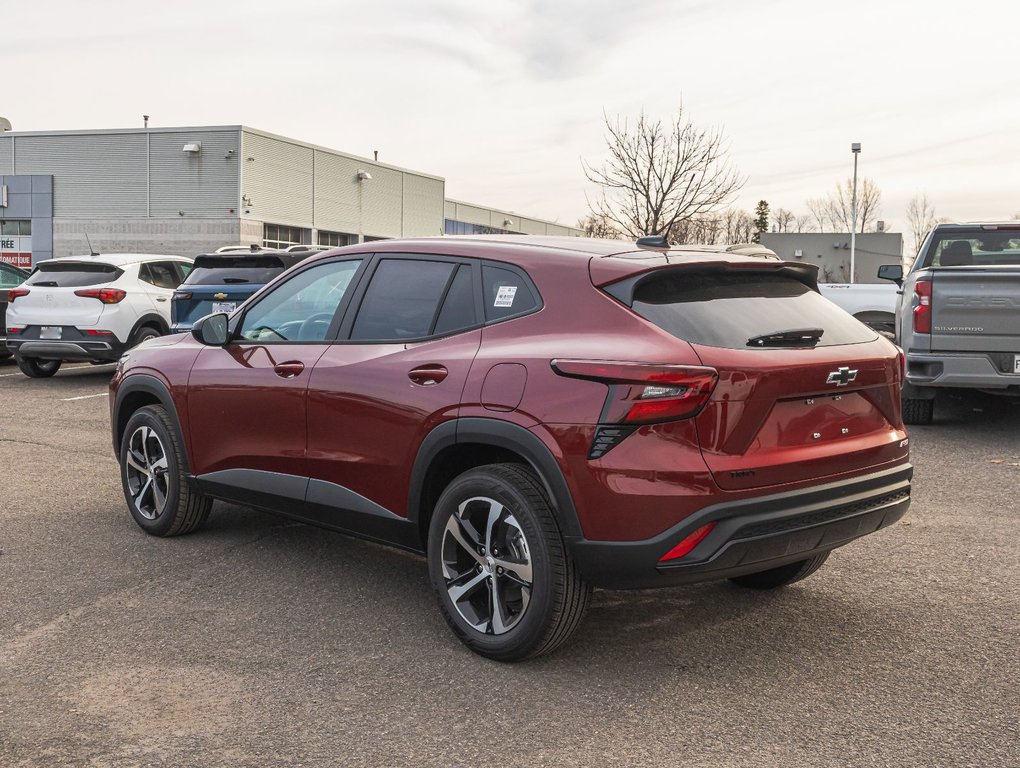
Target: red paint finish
[(246, 406)]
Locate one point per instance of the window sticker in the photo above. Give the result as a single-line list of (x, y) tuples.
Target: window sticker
[(505, 296)]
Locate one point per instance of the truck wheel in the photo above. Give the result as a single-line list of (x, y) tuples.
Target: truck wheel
[(783, 575), (918, 410), (35, 368)]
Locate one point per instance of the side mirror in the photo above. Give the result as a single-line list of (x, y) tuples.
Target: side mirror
[(892, 272), (211, 330)]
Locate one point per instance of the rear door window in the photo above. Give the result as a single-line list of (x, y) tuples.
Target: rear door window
[(402, 300), (459, 310), (730, 309), (71, 274), (160, 274)]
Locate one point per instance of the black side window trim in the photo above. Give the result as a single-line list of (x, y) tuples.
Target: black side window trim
[(347, 326), (539, 301), (237, 320)]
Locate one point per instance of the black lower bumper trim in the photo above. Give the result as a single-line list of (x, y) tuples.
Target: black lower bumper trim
[(753, 534)]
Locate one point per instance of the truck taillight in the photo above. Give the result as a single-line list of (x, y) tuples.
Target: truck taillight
[(922, 306), (15, 293), (644, 393), (105, 295)]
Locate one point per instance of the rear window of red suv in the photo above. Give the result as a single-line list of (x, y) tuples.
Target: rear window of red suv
[(730, 309)]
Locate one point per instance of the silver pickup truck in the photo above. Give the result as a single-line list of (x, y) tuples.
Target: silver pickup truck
[(958, 316)]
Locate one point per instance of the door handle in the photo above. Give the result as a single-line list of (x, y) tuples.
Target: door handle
[(161, 298), (427, 375), (288, 370)]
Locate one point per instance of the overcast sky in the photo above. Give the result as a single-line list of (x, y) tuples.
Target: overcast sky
[(504, 98)]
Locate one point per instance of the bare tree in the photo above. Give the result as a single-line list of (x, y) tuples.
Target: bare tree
[(736, 226), (595, 225), (920, 217), (803, 224), (821, 214), (784, 220), (869, 203), (659, 175)]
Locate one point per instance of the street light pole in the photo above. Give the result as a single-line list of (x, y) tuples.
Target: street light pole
[(855, 147)]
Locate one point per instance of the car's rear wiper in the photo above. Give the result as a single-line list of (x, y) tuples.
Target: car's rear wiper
[(46, 283), (800, 337), (236, 280)]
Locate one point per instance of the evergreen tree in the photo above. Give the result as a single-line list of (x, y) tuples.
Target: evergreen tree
[(761, 219)]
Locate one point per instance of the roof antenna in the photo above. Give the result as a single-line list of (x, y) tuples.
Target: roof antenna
[(92, 251)]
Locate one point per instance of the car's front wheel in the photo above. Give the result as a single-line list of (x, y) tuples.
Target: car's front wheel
[(155, 485), (36, 368), (503, 577)]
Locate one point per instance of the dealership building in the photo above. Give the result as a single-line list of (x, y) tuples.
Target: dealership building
[(191, 190)]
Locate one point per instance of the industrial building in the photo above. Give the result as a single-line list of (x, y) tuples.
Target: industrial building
[(830, 251), (190, 190)]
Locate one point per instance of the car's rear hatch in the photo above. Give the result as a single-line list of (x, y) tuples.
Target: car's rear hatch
[(976, 309), (220, 283), (804, 389), (51, 298)]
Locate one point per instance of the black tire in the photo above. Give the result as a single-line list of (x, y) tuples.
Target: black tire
[(35, 368), (783, 575), (144, 334), (529, 544), (157, 454), (917, 410)]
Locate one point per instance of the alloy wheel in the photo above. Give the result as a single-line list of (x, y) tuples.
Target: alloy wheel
[(146, 468), (487, 565)]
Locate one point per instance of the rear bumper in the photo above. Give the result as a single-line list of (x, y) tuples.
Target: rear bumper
[(105, 351), (977, 370), (753, 534)]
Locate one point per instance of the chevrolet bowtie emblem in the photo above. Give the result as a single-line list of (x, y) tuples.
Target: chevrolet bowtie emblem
[(223, 296), (841, 376)]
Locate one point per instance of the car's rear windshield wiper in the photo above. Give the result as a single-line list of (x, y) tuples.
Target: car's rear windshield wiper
[(46, 283), (800, 337), (236, 280)]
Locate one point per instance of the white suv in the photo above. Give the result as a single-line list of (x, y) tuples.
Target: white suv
[(90, 308)]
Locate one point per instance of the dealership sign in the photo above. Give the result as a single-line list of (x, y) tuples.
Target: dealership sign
[(16, 250)]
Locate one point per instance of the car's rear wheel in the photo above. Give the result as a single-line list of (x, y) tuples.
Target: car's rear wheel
[(144, 334), (36, 368), (918, 410), (783, 575), (155, 485), (502, 575)]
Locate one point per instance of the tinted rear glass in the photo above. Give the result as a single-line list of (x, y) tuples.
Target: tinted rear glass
[(402, 299), (727, 310), (976, 247), (224, 270), (70, 274)]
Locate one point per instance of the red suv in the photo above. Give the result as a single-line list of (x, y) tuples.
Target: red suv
[(537, 415)]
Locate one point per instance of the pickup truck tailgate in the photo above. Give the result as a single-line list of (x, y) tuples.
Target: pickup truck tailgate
[(976, 309)]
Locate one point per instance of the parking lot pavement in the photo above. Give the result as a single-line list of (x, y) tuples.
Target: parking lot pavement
[(263, 642)]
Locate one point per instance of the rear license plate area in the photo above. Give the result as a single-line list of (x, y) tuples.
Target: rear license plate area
[(224, 306), (1016, 363), (51, 332)]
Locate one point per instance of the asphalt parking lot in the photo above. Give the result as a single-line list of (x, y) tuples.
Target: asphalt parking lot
[(258, 641)]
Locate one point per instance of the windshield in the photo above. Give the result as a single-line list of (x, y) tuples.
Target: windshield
[(976, 247)]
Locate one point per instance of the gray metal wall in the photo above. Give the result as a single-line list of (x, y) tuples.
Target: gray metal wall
[(493, 217), (300, 185), (831, 252)]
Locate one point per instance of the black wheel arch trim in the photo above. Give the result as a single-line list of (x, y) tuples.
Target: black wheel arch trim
[(141, 382), (150, 318), (499, 434)]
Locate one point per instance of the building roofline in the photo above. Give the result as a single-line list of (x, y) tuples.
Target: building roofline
[(512, 213), (222, 129)]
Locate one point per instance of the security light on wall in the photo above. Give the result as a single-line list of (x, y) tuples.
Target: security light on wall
[(193, 148), (364, 176), (508, 222)]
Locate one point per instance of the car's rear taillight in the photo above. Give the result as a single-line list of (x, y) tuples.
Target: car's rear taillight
[(14, 331), (105, 295), (640, 393), (922, 306), (181, 295), (15, 293), (688, 543)]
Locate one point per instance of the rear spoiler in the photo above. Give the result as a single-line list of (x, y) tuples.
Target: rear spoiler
[(624, 290)]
